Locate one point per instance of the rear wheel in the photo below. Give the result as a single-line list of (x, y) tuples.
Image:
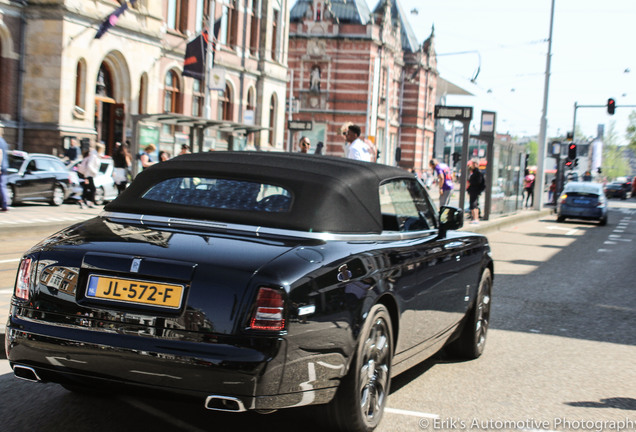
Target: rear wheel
[(359, 403), (603, 221), (472, 339), (58, 196), (10, 198), (560, 218), (99, 196)]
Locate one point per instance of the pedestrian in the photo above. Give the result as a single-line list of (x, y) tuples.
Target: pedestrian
[(357, 148), (163, 156), (319, 148), (444, 178), (122, 161), (528, 187), (185, 149), (73, 152), (476, 185), (146, 156), (304, 144), (552, 191), (4, 167), (89, 168)]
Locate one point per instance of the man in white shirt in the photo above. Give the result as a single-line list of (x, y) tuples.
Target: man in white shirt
[(357, 148)]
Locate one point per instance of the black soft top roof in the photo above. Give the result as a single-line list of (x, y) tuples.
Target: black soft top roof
[(330, 194)]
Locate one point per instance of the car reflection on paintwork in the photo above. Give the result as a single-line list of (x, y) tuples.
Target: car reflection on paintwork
[(105, 187)]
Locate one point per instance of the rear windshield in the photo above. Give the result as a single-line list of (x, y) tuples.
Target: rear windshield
[(221, 194)]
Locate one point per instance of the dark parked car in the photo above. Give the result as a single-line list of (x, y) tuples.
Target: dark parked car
[(582, 200), (38, 177), (254, 281), (615, 190)]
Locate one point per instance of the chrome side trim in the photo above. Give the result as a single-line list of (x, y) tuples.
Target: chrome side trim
[(260, 230)]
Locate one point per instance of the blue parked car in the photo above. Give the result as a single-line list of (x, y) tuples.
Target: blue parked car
[(582, 200)]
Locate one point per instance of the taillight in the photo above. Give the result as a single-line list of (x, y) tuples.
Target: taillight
[(23, 282), (268, 310)]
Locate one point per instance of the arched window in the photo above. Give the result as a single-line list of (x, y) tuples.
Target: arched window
[(251, 99), (197, 98), (272, 120), (225, 108), (171, 93), (104, 86), (80, 85)]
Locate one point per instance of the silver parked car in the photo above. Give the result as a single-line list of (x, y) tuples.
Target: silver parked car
[(105, 187)]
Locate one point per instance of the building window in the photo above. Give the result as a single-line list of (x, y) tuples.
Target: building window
[(275, 35), (177, 17), (171, 93), (255, 28), (225, 107), (272, 120), (80, 84), (143, 94), (228, 34), (197, 98)]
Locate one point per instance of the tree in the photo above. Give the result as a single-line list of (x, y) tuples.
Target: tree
[(630, 132), (614, 162), (532, 149)]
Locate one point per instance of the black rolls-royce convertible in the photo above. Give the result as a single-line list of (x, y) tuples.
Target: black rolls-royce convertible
[(254, 281)]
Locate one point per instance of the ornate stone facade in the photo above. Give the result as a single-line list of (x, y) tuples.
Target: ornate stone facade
[(372, 72)]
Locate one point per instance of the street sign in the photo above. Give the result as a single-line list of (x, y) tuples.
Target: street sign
[(299, 125), (453, 113)]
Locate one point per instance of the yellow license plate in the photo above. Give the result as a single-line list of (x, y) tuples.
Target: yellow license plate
[(135, 291)]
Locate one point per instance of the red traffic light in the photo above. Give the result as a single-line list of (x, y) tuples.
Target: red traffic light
[(572, 151), (568, 163), (611, 106)]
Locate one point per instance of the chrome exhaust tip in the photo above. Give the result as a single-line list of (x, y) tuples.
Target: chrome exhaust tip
[(224, 403), (26, 373)]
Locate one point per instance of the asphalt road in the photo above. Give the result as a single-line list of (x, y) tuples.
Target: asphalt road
[(560, 354)]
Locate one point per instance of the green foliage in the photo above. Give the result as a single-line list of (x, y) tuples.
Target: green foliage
[(532, 148), (630, 132), (615, 164)]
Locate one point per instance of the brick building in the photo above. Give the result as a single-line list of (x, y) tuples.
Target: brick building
[(58, 81), (349, 63)]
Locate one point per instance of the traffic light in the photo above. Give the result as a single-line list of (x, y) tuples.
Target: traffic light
[(572, 151), (611, 106), (599, 170), (569, 163), (456, 157)]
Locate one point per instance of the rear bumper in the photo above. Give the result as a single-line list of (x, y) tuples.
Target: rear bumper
[(250, 371), (581, 212)]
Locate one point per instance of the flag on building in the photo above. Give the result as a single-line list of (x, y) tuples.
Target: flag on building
[(111, 20), (196, 51), (195, 54)]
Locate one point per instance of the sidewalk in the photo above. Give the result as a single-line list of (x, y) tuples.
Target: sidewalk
[(19, 219)]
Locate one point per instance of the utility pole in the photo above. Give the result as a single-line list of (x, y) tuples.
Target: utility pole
[(540, 177)]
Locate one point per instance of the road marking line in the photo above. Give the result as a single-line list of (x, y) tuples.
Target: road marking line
[(410, 413), (604, 250), (9, 260), (610, 242)]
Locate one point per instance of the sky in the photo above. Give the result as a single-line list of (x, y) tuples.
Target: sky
[(504, 43)]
